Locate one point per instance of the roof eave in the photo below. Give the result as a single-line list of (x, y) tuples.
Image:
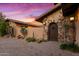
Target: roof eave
[(57, 7)]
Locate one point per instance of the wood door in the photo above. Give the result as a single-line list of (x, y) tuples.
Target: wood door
[(53, 32)]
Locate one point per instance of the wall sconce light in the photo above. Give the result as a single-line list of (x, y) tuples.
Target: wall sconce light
[(43, 22), (71, 18)]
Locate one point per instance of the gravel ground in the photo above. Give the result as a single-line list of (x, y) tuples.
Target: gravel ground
[(19, 47)]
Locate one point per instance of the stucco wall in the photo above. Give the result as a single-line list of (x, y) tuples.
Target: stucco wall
[(17, 29), (37, 32), (77, 27)]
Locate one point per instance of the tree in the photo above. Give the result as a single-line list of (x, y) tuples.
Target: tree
[(2, 17), (3, 25)]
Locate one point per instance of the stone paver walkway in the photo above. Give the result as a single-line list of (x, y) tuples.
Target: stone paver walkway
[(19, 47)]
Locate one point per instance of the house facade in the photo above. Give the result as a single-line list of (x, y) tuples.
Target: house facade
[(32, 29), (53, 24), (15, 27), (61, 23)]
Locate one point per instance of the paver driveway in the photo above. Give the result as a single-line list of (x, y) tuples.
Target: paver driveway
[(19, 47)]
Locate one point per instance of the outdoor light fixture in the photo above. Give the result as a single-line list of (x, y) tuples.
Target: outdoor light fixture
[(71, 18), (46, 22), (43, 22)]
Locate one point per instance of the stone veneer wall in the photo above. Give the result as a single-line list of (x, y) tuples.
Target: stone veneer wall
[(72, 35), (58, 18), (69, 30)]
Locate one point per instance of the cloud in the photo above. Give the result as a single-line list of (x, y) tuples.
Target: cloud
[(23, 10)]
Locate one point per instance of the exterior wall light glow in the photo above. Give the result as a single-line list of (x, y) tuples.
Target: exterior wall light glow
[(71, 18), (43, 22)]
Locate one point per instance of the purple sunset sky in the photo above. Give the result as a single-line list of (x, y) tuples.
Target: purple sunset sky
[(24, 10)]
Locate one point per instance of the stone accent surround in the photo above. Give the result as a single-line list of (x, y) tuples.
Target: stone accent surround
[(58, 18)]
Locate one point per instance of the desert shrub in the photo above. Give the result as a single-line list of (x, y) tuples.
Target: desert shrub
[(63, 46), (39, 41), (70, 47), (3, 28), (3, 25), (30, 39)]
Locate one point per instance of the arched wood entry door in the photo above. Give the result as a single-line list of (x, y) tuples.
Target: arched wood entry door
[(53, 32)]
